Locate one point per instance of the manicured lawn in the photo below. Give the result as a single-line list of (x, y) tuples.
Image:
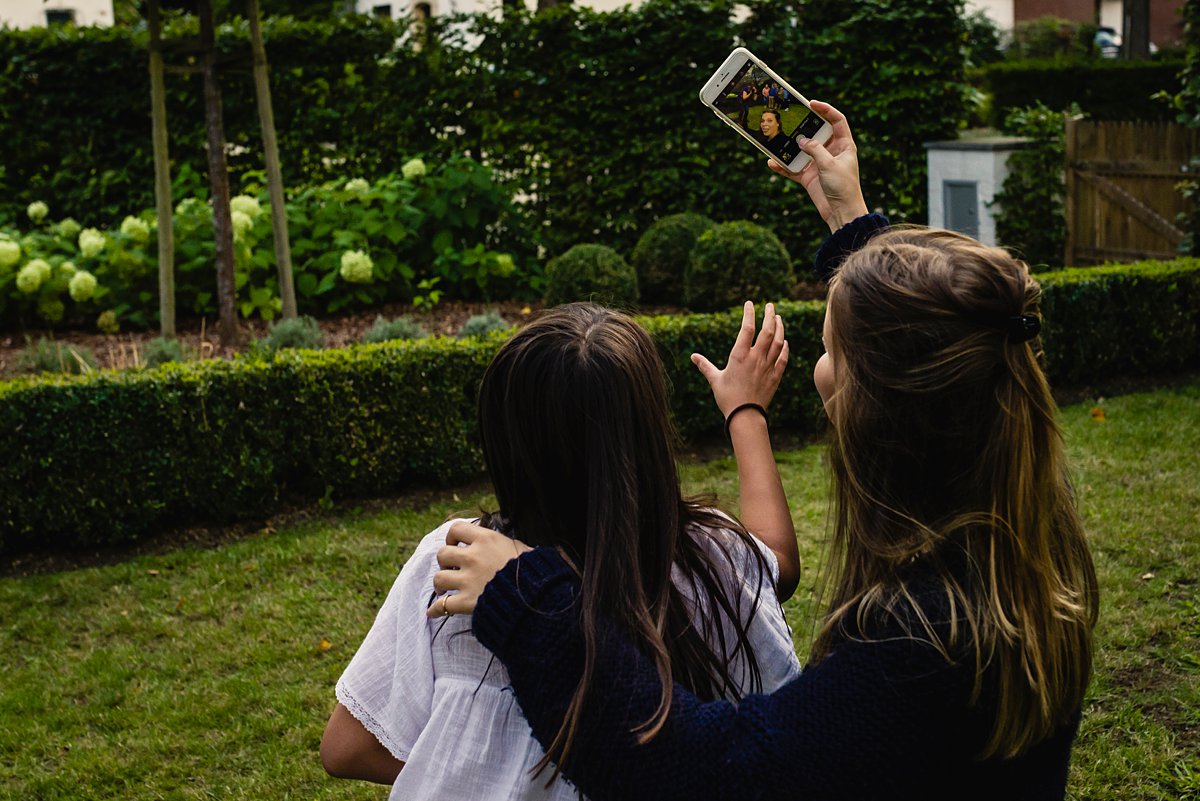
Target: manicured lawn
[(209, 673)]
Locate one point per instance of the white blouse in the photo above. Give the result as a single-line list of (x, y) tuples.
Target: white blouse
[(437, 699)]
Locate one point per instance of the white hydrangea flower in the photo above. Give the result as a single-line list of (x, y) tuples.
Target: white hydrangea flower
[(189, 205), (136, 229), (67, 269), (69, 229), (29, 279), (44, 270), (82, 286), (10, 253), (413, 169), (358, 186), (107, 322), (91, 242), (242, 223), (246, 205), (37, 211), (357, 267)]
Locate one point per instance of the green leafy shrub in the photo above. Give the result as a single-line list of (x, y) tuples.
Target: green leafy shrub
[(1051, 37), (591, 272), (661, 255), (482, 324), (1031, 219), (1121, 319), (299, 333), (384, 330), (218, 441), (334, 90), (162, 350), (48, 356), (734, 262), (1104, 89)]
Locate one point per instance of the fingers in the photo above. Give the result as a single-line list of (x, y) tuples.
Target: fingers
[(781, 361), (768, 328), (820, 156), (841, 127), (447, 605), (746, 335), (776, 341), (706, 368), (462, 531), (778, 168)]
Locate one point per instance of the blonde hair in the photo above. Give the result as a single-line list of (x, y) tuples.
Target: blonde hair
[(945, 450)]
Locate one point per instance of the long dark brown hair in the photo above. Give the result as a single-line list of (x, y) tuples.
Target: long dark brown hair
[(946, 455), (579, 446)]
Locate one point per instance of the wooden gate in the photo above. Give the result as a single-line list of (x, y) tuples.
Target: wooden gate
[(1123, 201)]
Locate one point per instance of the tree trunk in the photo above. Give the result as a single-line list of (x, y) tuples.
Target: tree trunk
[(218, 182), (162, 177), (1136, 36), (266, 116)]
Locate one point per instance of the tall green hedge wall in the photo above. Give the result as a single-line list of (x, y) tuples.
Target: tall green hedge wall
[(1104, 89), (593, 116), (111, 456)]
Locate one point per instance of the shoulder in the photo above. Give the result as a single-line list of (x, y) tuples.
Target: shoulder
[(745, 553)]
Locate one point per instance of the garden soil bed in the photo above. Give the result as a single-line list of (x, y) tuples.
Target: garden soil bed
[(199, 337)]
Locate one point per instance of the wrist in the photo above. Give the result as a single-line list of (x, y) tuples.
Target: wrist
[(845, 214), (744, 415)]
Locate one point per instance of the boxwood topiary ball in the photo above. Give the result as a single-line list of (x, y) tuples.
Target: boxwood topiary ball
[(735, 262), (591, 272), (661, 255)]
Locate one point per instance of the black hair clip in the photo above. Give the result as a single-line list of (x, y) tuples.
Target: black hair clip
[(1022, 327)]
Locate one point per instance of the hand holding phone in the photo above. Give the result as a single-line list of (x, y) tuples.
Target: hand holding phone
[(832, 179), (760, 105)]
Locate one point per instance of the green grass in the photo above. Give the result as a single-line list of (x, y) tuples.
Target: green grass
[(201, 673)]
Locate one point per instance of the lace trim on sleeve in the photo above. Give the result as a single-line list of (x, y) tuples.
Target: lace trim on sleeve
[(368, 721)]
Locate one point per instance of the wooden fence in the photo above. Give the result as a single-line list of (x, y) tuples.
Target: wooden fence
[(1123, 200)]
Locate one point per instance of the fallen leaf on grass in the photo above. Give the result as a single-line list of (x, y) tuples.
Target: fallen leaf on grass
[(151, 572), (1097, 414), (1147, 576)]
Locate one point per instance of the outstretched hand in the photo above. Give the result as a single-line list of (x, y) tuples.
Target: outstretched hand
[(466, 571), (755, 367), (831, 178)]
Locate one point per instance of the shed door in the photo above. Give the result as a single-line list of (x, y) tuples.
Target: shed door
[(961, 199)]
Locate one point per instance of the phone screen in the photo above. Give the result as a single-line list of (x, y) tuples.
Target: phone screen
[(757, 103)]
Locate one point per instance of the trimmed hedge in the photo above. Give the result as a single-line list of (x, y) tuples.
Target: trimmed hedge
[(111, 456), (1104, 89), (1121, 319)]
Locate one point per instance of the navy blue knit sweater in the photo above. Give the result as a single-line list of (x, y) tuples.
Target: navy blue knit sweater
[(888, 718), (883, 716)]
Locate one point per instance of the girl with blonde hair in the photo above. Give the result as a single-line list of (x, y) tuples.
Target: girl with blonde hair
[(955, 649)]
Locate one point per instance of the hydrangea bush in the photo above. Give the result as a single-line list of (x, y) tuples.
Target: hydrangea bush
[(355, 243)]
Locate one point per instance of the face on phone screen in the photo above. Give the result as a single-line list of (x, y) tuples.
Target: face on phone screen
[(768, 112)]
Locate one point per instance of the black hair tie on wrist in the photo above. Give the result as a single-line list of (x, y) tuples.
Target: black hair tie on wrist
[(753, 406), (1022, 327)]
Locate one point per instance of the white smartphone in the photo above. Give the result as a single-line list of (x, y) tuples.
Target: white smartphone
[(751, 98)]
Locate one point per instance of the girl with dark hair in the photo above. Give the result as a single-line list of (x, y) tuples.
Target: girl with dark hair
[(578, 443), (956, 645)]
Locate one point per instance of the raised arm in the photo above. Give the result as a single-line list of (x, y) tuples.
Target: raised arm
[(872, 720), (748, 383)]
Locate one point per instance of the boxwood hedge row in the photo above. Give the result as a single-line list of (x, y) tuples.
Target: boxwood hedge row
[(110, 456)]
